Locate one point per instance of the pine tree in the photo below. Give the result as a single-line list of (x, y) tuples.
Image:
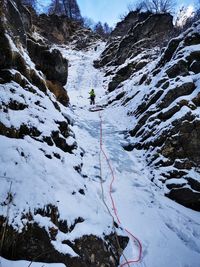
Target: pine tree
[(69, 8), (99, 29), (72, 9), (56, 7), (107, 29)]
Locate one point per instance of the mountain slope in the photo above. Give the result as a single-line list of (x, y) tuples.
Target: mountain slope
[(58, 193), (162, 99), (163, 226), (46, 205)]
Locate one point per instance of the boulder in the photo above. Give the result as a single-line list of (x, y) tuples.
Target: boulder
[(179, 68), (186, 197), (51, 63), (33, 243), (195, 66)]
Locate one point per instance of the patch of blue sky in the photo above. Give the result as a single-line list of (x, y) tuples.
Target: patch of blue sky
[(108, 10)]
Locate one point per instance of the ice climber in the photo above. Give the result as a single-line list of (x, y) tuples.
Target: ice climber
[(92, 97)]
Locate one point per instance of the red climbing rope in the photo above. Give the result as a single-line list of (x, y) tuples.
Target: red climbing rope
[(134, 239)]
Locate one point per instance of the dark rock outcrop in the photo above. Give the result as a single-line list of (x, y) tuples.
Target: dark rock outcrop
[(152, 32), (164, 100), (147, 34), (138, 39), (34, 243), (167, 119), (125, 72), (62, 30), (51, 63), (130, 21), (186, 197), (16, 21)]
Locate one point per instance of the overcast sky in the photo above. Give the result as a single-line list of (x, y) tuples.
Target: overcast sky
[(110, 10)]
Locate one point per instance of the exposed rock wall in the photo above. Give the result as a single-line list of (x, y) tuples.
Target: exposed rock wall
[(166, 108), (144, 36), (130, 21), (62, 30), (160, 88), (152, 32), (33, 243), (53, 65), (16, 21)]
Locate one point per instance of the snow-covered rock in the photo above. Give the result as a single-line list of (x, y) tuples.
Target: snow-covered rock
[(46, 207), (163, 99), (62, 30), (54, 182)]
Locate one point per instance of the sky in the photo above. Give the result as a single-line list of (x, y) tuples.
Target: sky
[(110, 10)]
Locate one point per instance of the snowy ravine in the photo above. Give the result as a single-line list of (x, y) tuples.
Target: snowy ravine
[(169, 232)]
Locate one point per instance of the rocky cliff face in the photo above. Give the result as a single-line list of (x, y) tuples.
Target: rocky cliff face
[(142, 35), (128, 23), (37, 146), (169, 117), (162, 94), (130, 53), (15, 39), (62, 30)]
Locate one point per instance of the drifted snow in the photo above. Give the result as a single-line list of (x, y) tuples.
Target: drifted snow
[(169, 232), (6, 263)]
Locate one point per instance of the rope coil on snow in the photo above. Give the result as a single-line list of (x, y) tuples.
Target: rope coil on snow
[(134, 239)]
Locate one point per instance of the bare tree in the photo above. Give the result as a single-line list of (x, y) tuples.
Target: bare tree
[(88, 23), (156, 6), (107, 30), (131, 7), (98, 28), (29, 3)]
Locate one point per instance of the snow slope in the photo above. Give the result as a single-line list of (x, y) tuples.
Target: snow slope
[(169, 233), (36, 174), (6, 263), (160, 99)]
